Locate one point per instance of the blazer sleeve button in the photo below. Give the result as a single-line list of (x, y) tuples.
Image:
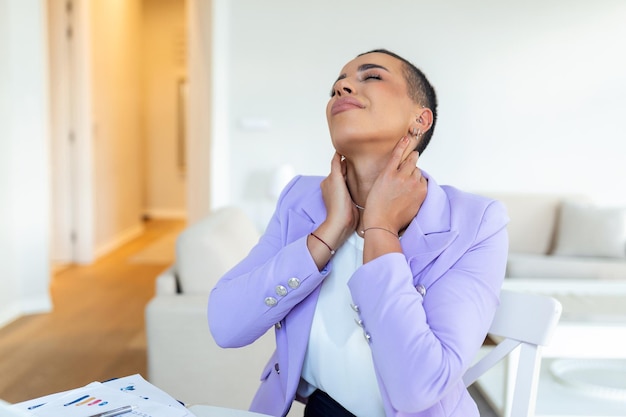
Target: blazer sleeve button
[(281, 291), (270, 301)]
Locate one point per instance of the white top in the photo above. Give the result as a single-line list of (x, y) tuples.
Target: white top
[(338, 358)]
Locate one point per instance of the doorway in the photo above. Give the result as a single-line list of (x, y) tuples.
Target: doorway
[(118, 154)]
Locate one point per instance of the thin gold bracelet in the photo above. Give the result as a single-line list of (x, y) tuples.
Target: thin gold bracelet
[(332, 251), (379, 228)]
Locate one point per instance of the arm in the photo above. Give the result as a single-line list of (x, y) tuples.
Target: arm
[(237, 309), (421, 346), (238, 312)]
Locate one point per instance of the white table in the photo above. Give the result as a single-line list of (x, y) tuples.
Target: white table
[(210, 411), (592, 332)]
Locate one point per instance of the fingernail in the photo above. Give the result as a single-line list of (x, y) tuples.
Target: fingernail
[(405, 139)]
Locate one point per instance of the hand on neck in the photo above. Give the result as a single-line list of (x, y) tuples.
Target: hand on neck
[(362, 172)]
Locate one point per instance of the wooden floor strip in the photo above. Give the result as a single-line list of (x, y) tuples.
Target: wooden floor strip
[(95, 331)]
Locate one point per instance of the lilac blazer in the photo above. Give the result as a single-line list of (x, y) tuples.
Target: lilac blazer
[(427, 311)]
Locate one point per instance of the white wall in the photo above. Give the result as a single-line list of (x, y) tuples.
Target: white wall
[(24, 188), (532, 94)]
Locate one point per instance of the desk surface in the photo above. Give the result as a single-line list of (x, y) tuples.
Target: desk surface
[(210, 411)]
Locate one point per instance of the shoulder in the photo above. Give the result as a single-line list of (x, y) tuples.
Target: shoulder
[(470, 202), (300, 190), (484, 214), (303, 182), (299, 186)]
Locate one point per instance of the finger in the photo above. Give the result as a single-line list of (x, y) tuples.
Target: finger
[(335, 163), (410, 163), (344, 166), (413, 141), (398, 153)]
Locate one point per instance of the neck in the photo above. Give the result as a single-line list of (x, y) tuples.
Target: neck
[(361, 174)]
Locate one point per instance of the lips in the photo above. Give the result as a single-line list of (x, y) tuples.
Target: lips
[(344, 104)]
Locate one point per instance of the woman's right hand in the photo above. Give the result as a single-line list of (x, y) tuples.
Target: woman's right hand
[(342, 217)]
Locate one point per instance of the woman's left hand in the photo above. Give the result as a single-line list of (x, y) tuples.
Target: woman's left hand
[(398, 192)]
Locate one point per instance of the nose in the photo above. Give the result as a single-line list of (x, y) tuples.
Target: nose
[(343, 87)]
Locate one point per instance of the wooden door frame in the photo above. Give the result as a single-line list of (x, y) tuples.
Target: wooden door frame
[(72, 133)]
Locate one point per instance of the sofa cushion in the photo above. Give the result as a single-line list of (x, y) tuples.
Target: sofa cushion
[(533, 220), (588, 230), (567, 267), (208, 249)]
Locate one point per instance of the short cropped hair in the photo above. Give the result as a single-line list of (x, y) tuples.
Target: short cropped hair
[(420, 91)]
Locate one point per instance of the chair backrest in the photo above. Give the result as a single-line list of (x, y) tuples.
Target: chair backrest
[(522, 325)]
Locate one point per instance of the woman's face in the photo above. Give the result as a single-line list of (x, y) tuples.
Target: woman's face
[(369, 109)]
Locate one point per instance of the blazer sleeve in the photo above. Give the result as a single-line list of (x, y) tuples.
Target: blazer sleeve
[(422, 345), (274, 277)]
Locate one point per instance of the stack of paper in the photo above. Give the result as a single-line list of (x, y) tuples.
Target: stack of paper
[(128, 396)]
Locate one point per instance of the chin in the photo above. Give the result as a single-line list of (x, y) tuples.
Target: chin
[(346, 145), (352, 142)]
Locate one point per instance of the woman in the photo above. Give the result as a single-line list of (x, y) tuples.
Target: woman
[(381, 284)]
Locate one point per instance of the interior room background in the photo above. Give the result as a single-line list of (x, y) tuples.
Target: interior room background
[(532, 97)]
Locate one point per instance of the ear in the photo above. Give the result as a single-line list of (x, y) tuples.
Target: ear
[(423, 119)]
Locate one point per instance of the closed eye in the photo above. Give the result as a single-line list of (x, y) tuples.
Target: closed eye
[(365, 74), (371, 76)]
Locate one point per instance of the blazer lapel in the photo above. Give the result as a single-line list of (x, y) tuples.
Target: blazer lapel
[(429, 234), (305, 217)]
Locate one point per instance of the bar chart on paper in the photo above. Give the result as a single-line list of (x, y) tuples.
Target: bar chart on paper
[(130, 396)]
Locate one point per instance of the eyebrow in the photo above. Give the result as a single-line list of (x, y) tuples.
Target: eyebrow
[(362, 67)]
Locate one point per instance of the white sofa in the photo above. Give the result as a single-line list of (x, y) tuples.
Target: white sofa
[(564, 237)]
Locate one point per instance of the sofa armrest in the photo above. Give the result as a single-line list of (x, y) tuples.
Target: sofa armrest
[(185, 361), (166, 283)]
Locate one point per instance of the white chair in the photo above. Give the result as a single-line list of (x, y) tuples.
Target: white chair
[(522, 325)]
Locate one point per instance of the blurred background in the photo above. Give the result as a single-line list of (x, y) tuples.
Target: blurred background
[(117, 111)]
